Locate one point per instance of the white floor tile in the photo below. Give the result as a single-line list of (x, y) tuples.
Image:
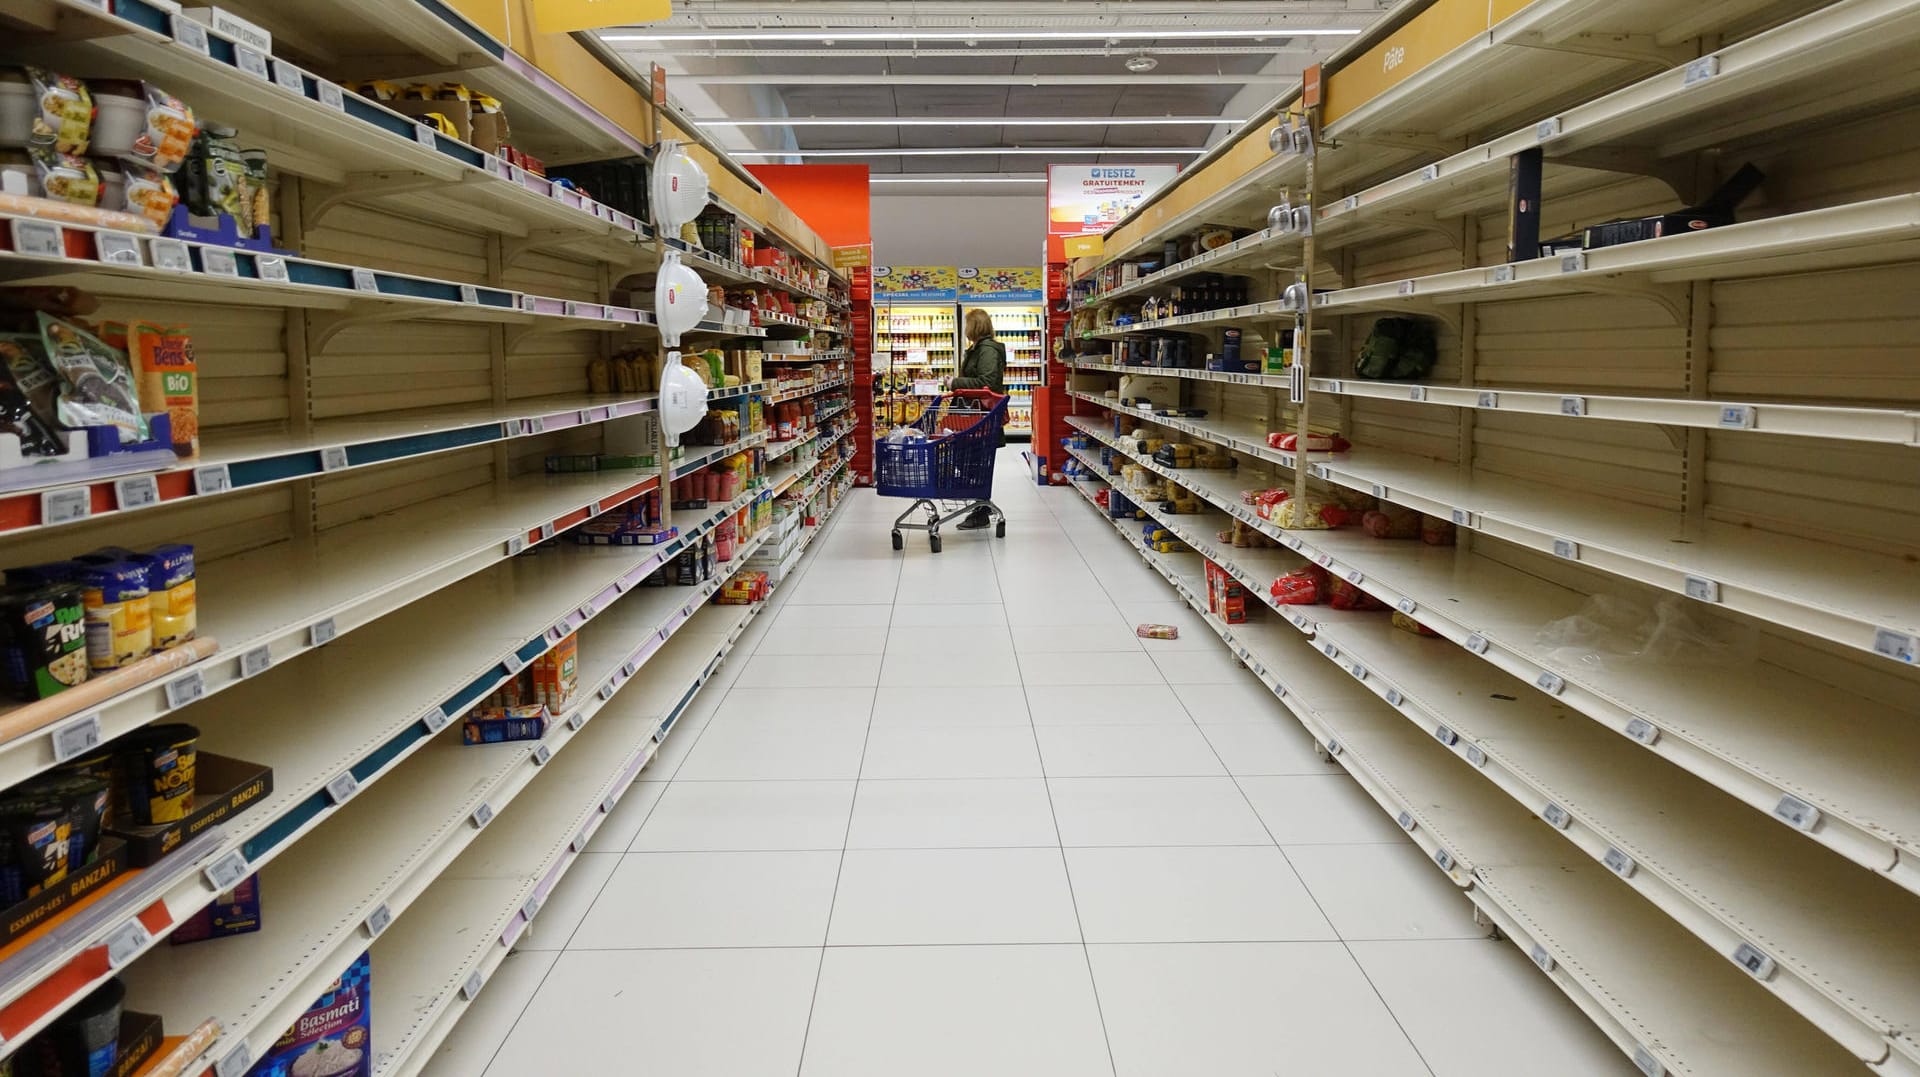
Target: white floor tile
[(1246, 1010), (823, 639), (1384, 891), (945, 813), (1215, 894), (666, 900), (1436, 989), (918, 616), (754, 749), (1030, 609), (949, 640), (569, 902), (678, 1012), (951, 672), (960, 1011), (810, 671), (1094, 704), (1125, 751), (1215, 665), (804, 615), (1265, 748), (705, 816), (928, 751), (1241, 700), (985, 705), (916, 897), (1043, 668), (491, 1018), (617, 830), (807, 705), (1101, 637), (1154, 811), (1328, 809)]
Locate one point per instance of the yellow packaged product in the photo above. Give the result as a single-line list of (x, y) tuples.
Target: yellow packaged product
[(172, 595)]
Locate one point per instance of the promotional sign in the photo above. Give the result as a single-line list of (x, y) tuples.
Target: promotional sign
[(1015, 284), (1093, 198), (568, 16), (929, 284), (859, 254)]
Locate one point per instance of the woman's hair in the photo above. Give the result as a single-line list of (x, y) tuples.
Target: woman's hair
[(979, 324)]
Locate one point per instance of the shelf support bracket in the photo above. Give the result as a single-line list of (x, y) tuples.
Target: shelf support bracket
[(1676, 172), (1427, 223), (1674, 298), (1446, 315), (322, 328), (1634, 48), (539, 239), (320, 199)]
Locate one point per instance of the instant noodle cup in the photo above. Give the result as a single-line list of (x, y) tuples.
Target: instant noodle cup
[(159, 763), (88, 1035)]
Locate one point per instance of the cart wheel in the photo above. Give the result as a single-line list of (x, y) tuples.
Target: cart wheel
[(934, 542), (1000, 529), (898, 544)]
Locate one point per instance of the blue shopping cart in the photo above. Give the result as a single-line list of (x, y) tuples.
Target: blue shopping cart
[(944, 461)]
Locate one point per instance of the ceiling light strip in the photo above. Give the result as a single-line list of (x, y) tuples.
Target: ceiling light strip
[(967, 121), (632, 36), (984, 151)]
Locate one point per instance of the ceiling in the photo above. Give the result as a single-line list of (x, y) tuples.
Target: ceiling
[(1214, 62)]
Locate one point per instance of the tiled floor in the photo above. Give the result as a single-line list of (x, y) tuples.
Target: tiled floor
[(948, 815)]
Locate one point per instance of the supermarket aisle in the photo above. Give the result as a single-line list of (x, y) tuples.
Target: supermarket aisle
[(947, 815)]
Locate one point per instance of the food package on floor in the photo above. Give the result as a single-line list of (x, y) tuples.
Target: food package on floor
[(1407, 624), (334, 1038), (1391, 521), (1156, 631), (1342, 595), (556, 674), (497, 725), (1304, 586), (1315, 442), (236, 912)]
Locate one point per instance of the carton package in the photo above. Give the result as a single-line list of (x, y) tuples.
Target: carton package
[(334, 1037), (556, 674), (236, 912)]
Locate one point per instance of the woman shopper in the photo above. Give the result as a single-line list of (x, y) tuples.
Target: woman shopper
[(983, 367)]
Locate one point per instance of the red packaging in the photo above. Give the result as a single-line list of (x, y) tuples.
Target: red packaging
[(1315, 442), (1304, 586), (1345, 596)]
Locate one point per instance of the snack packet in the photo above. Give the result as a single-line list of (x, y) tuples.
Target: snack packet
[(168, 138), (66, 177), (26, 396), (149, 193), (64, 120), (1157, 631), (97, 386)]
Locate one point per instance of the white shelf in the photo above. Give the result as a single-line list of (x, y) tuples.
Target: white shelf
[(1652, 988), (1866, 601), (1762, 736)]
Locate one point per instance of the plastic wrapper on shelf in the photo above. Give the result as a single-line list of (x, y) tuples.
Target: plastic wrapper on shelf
[(1435, 531), (97, 383), (1391, 521), (1315, 442), (63, 118), (1310, 515), (1618, 630), (1342, 595), (1304, 586), (1407, 624)]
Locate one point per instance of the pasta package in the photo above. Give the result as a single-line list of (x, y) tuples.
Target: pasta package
[(97, 385), (169, 380)]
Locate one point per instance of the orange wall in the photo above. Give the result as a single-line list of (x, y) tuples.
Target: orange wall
[(832, 199)]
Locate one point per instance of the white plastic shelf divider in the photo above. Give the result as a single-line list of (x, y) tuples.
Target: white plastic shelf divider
[(1653, 989), (1778, 741)]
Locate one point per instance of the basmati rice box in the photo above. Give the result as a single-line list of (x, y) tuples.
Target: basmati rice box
[(334, 1038)]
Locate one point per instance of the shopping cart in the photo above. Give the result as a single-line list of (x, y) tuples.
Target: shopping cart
[(945, 463)]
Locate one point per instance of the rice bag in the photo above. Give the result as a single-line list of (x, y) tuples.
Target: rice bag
[(64, 120), (97, 385)]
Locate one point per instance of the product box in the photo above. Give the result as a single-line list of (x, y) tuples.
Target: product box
[(236, 912), (334, 1038), (497, 725), (223, 787), (140, 1035), (556, 674), (109, 861)]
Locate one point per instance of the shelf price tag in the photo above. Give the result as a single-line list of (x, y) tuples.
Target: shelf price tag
[(1702, 589), (1619, 863), (482, 815), (1541, 957), (171, 255), (1445, 736), (219, 262), (547, 531), (1700, 70), (1334, 747), (532, 906), (1477, 643), (252, 62), (235, 1063), (76, 738), (1394, 698), (1573, 405), (184, 690), (1898, 646), (65, 505), (118, 248), (1736, 417), (126, 942), (322, 632), (541, 754), (469, 294), (1546, 129), (1475, 756), (435, 719), (1556, 816), (1797, 813), (515, 545), (1407, 287), (1489, 400), (1406, 821), (228, 872), (331, 96), (513, 663), (1550, 683), (136, 492), (379, 920), (365, 281), (271, 268), (342, 788), (190, 34), (1566, 549), (255, 662), (333, 458), (1444, 859), (1573, 262), (1645, 1062), (471, 989), (1754, 960), (1643, 731), (287, 77), (426, 136)]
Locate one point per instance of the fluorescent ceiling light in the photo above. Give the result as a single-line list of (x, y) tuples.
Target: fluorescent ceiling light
[(969, 121), (829, 33), (978, 151), (958, 178)]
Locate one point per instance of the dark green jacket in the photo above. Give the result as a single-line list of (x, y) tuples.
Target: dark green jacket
[(984, 367)]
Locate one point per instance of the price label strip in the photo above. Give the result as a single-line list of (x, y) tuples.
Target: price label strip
[(76, 738)]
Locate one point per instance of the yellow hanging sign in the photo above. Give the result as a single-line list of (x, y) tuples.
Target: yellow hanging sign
[(568, 16), (1084, 246)]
